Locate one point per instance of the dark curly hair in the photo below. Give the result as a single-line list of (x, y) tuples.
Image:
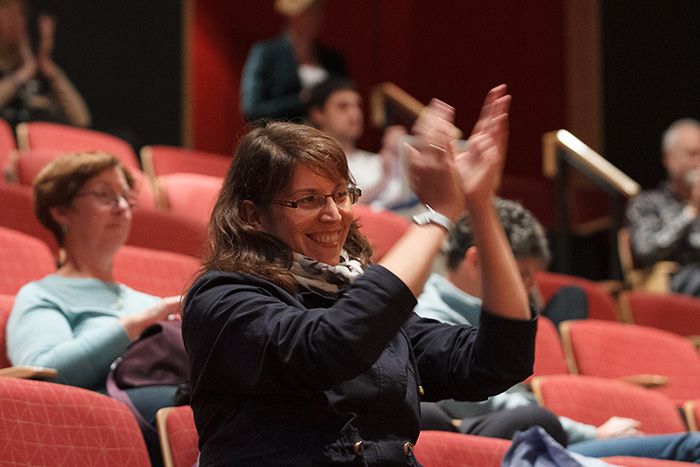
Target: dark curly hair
[(525, 234)]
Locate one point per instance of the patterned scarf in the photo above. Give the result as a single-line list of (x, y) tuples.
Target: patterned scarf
[(324, 278)]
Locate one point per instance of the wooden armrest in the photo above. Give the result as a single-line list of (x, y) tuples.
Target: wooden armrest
[(28, 372), (646, 381)]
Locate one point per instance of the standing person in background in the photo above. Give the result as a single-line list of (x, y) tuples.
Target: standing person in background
[(32, 86), (335, 107), (664, 222), (279, 73)]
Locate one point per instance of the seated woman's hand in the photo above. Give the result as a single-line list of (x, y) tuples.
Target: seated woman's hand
[(167, 309)]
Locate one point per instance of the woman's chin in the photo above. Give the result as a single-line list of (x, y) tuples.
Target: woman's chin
[(330, 255)]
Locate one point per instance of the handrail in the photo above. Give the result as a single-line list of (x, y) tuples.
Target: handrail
[(389, 93), (587, 157), (559, 149)]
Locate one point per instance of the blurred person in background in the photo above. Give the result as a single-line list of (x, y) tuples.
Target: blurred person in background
[(279, 73), (335, 107), (32, 86), (664, 222)]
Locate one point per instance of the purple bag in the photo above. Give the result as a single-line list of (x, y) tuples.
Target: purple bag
[(156, 358)]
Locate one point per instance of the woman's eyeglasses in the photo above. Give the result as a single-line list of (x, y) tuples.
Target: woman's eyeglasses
[(110, 198), (342, 198)]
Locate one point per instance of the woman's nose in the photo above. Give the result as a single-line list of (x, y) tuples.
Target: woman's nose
[(330, 210)]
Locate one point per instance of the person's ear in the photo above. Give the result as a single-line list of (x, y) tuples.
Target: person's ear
[(665, 159), (60, 215), (471, 259), (250, 214), (317, 116)]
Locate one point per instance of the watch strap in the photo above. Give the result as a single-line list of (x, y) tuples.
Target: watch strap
[(430, 216)]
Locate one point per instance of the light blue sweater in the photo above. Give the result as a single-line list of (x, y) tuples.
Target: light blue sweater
[(71, 325), (443, 301)]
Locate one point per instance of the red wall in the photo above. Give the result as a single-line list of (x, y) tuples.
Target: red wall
[(451, 49)]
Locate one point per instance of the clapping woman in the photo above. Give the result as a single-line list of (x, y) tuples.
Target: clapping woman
[(301, 352)]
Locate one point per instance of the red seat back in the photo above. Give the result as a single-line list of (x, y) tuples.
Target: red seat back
[(382, 228), (610, 349), (163, 160), (156, 272), (23, 259), (6, 302), (447, 449), (676, 313), (47, 424), (549, 353), (189, 195), (178, 436), (593, 400), (601, 304)]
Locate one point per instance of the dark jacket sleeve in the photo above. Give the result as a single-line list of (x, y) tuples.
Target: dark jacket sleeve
[(463, 363), (259, 339)]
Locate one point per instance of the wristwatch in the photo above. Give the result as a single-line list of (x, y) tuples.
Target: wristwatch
[(429, 216)]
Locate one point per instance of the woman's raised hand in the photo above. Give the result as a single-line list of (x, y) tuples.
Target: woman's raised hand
[(432, 176), (47, 31), (480, 166), (29, 65)]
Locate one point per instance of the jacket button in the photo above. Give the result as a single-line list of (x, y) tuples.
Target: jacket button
[(359, 446), (408, 449)]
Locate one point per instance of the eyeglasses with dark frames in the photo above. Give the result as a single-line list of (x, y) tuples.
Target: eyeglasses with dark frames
[(343, 197), (112, 199)]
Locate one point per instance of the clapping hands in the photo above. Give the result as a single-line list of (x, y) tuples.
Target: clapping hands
[(449, 179)]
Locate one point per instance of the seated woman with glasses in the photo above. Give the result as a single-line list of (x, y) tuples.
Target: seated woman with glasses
[(78, 320), (302, 353)]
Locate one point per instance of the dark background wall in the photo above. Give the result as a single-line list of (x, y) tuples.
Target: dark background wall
[(651, 58), (124, 56)]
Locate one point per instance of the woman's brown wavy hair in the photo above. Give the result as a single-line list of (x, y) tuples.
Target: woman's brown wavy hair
[(262, 166)]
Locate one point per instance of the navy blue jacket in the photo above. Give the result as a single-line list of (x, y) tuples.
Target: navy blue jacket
[(282, 380), (270, 83)]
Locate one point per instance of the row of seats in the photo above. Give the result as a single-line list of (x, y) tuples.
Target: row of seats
[(156, 160), (673, 312), (176, 180), (555, 358), (46, 424), (158, 272)]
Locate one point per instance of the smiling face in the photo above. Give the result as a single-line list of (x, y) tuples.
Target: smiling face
[(319, 234), (89, 220)]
